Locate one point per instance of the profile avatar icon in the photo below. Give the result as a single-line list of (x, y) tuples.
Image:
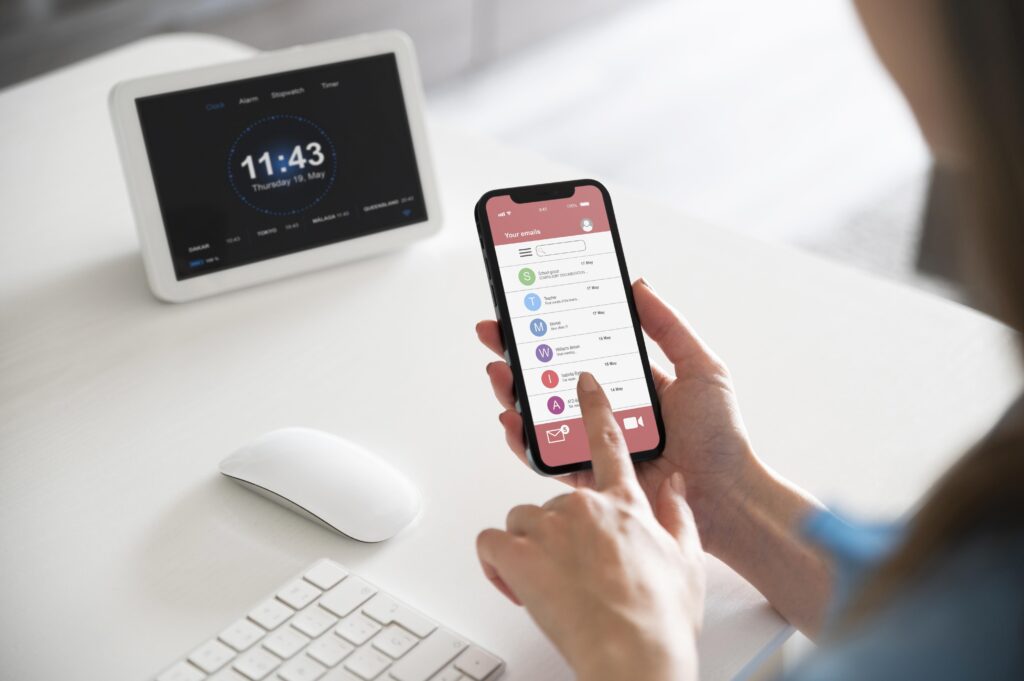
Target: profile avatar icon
[(586, 224), (544, 352), (532, 302), (538, 327), (556, 405), (527, 276)]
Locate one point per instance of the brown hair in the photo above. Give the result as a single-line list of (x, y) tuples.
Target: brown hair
[(984, 491)]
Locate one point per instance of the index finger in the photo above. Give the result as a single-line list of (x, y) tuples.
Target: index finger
[(612, 465), (490, 335)]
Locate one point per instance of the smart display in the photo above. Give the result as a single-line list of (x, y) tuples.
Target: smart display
[(261, 167)]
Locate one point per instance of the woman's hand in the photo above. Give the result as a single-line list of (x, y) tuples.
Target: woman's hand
[(746, 515), (705, 437), (617, 587)]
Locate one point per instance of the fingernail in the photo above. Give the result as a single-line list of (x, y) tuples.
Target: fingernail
[(587, 383), (678, 484), (646, 283)]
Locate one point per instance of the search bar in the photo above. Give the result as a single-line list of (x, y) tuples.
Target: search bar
[(562, 247)]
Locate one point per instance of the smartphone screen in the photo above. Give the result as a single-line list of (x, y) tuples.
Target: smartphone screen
[(558, 268)]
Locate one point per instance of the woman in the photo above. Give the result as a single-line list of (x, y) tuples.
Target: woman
[(613, 571)]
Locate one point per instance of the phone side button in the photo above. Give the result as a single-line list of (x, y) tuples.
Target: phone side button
[(519, 407), (508, 360)]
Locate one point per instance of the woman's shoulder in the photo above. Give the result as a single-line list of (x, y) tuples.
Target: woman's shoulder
[(961, 618)]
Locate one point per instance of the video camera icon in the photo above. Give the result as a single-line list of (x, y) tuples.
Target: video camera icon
[(558, 434), (632, 422)]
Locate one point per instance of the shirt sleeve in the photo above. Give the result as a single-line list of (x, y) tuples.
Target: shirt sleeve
[(855, 549), (961, 618)]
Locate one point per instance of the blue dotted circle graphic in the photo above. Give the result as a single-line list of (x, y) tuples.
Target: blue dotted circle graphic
[(327, 186)]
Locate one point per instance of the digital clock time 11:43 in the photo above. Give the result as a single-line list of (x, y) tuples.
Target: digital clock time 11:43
[(296, 159)]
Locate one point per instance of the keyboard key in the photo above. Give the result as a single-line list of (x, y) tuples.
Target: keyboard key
[(449, 674), (256, 664), (367, 663), (329, 625), (342, 674), (314, 621), (182, 671), (211, 656), (347, 596), (386, 610), (427, 658), (302, 668), (241, 635), (329, 649), (285, 642), (298, 594), (357, 628), (326, 574), (394, 641), (477, 663), (270, 613)]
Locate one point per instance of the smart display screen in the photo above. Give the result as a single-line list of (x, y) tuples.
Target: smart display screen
[(257, 168)]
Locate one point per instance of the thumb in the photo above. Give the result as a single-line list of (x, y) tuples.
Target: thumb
[(668, 328), (670, 505)]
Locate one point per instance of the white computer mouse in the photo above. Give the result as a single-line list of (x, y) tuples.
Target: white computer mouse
[(329, 480)]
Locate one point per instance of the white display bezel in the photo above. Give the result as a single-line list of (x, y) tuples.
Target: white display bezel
[(141, 188)]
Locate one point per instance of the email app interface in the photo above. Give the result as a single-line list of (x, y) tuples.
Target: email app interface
[(569, 314)]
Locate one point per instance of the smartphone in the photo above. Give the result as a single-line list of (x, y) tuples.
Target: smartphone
[(564, 304)]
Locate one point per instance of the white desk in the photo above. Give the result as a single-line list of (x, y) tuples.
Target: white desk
[(123, 546)]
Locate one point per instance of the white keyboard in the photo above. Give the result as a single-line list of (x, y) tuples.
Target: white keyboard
[(329, 625)]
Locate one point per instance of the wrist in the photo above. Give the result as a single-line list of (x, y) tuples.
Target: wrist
[(757, 504), (653, 660), (753, 526), (717, 500)]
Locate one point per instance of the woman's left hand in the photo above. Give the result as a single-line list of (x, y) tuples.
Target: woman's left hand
[(618, 586)]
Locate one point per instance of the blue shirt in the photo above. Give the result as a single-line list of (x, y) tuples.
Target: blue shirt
[(961, 619)]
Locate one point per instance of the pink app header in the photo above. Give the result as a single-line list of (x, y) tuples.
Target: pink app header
[(581, 213)]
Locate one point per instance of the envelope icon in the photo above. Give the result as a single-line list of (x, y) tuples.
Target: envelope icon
[(557, 435)]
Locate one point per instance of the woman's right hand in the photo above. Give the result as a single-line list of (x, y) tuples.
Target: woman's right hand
[(745, 514), (705, 437), (615, 582)]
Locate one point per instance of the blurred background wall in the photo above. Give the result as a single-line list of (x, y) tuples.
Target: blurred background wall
[(452, 36), (769, 118)]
